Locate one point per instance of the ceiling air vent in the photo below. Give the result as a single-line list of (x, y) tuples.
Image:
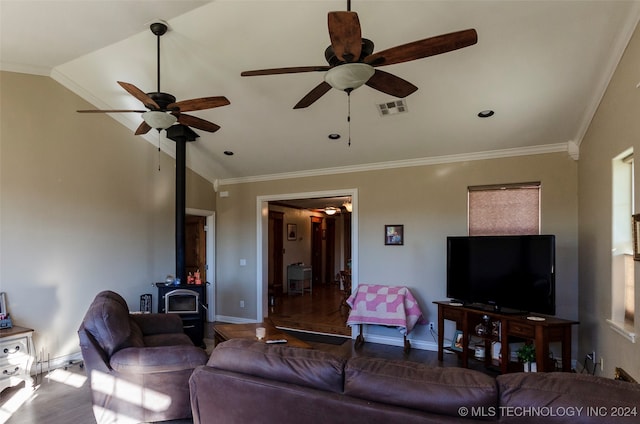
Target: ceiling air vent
[(393, 107)]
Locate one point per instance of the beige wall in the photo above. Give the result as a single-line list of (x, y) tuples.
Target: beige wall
[(83, 208), (430, 201), (615, 127)]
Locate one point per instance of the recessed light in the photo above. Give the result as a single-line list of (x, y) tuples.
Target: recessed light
[(485, 113), (228, 152), (334, 136)]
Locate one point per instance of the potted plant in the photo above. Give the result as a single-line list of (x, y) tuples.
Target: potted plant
[(527, 355)]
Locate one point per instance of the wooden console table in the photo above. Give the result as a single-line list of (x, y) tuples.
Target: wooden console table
[(539, 329)]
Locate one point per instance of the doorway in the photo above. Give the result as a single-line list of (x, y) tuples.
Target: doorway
[(204, 237), (276, 256), (324, 234), (195, 255)]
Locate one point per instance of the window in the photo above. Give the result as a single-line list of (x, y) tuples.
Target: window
[(504, 209), (622, 263)]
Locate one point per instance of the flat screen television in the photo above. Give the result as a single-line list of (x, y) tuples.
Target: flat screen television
[(510, 274)]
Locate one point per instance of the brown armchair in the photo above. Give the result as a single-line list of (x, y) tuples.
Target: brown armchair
[(138, 365)]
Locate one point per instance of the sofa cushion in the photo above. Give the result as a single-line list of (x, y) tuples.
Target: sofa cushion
[(108, 321), (159, 359), (305, 367), (417, 386), (559, 391), (172, 339)]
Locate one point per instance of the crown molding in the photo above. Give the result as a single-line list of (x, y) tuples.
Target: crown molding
[(436, 160), (617, 50), (25, 69)]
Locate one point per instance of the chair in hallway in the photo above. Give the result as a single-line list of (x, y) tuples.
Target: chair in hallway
[(344, 279)]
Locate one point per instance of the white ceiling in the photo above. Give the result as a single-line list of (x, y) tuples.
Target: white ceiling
[(541, 65)]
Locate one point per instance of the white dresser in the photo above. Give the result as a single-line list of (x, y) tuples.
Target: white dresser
[(16, 356)]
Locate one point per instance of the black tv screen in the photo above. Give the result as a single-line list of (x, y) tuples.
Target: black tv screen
[(509, 273)]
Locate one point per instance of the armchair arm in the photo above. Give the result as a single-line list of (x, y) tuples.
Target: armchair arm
[(149, 360), (158, 323)]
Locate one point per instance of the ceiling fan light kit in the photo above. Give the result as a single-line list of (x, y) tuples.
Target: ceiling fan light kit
[(159, 120), (349, 76)]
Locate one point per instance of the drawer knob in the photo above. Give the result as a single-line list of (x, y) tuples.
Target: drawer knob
[(14, 372), (10, 352)]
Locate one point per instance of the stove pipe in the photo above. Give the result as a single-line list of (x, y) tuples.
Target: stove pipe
[(181, 134)]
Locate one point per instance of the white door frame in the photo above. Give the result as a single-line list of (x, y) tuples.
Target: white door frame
[(262, 238), (210, 231)]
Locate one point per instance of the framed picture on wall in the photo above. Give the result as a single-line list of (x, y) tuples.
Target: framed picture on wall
[(292, 232), (394, 235)]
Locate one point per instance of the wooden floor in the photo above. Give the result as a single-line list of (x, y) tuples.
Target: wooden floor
[(321, 311), (65, 397)]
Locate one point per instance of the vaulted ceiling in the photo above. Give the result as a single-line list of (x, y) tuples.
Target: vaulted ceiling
[(542, 66)]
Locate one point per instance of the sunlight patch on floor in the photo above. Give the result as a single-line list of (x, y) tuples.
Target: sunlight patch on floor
[(129, 392), (12, 404), (69, 378)]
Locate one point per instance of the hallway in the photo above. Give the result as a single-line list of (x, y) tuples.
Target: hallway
[(320, 311)]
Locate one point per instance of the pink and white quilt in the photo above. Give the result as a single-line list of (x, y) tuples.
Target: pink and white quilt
[(385, 305)]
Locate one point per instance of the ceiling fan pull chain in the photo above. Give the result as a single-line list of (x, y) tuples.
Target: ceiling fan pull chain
[(349, 114), (159, 151)]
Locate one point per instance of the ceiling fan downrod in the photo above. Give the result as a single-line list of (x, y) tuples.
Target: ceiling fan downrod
[(159, 29)]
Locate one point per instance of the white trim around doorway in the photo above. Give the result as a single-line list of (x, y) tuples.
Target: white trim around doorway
[(211, 261), (262, 225)]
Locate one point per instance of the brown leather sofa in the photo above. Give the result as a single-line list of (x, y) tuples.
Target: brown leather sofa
[(246, 381), (138, 365)]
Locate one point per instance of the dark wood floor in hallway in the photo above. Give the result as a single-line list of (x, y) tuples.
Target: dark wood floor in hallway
[(321, 311)]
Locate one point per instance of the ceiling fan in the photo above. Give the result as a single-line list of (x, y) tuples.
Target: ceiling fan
[(164, 111), (352, 61)]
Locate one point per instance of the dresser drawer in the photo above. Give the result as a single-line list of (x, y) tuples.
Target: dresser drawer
[(14, 348), (521, 329), (14, 368)]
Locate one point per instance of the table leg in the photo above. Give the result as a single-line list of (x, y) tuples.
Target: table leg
[(360, 338)]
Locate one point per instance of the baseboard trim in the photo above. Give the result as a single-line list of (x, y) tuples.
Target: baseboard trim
[(399, 341), (234, 320), (55, 363)]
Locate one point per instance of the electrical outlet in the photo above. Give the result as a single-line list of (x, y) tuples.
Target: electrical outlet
[(432, 326), (242, 303)]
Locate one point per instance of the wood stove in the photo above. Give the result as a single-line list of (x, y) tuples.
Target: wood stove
[(186, 300)]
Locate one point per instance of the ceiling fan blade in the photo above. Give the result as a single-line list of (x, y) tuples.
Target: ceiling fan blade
[(110, 111), (423, 48), (345, 34), (290, 70), (391, 84), (199, 104), (140, 95), (143, 128), (319, 91), (201, 124)]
